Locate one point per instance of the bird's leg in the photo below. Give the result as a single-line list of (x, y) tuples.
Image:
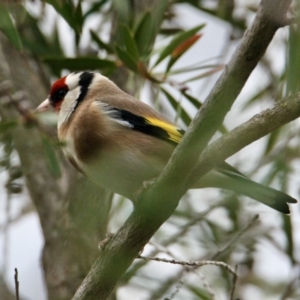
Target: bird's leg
[(146, 184), (102, 244)]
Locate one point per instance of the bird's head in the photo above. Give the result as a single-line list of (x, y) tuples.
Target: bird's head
[(69, 91)]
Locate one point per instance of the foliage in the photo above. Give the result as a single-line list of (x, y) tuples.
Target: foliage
[(149, 45)]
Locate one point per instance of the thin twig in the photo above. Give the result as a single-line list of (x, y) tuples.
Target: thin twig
[(234, 280), (182, 231), (179, 285), (173, 239), (20, 102), (16, 284), (165, 286), (235, 238), (191, 263), (207, 286), (150, 214)]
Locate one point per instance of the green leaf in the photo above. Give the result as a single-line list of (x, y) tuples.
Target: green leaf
[(293, 68), (34, 40), (258, 95), (7, 125), (126, 59), (181, 49), (51, 158), (169, 31), (200, 292), (197, 104), (127, 43), (123, 10), (94, 8), (271, 175), (182, 113), (100, 43), (79, 63), (71, 14), (7, 26), (205, 74), (273, 138), (79, 17), (288, 230), (144, 35), (149, 27), (55, 43), (177, 40), (157, 14)]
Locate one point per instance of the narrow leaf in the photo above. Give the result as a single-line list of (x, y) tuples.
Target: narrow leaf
[(205, 74), (94, 8), (51, 158), (273, 138), (288, 230), (8, 27), (149, 27), (100, 43), (126, 59), (7, 125), (35, 40), (197, 104), (79, 22), (79, 63), (71, 14), (144, 35), (177, 40), (127, 43), (170, 31), (181, 49), (183, 114), (157, 14), (293, 68)]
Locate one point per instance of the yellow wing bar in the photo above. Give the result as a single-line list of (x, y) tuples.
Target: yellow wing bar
[(174, 133)]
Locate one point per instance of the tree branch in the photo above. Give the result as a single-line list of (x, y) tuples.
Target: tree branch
[(257, 127), (270, 15), (149, 214)]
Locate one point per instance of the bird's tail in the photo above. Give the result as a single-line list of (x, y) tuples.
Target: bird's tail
[(233, 180)]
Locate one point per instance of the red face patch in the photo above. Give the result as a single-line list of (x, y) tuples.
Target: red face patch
[(58, 91)]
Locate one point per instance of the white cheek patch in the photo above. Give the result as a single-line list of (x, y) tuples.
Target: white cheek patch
[(68, 105), (72, 80)]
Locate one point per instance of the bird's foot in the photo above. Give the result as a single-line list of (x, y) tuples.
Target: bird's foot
[(142, 189), (102, 244)]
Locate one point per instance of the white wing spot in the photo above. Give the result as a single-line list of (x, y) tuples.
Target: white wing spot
[(112, 113)]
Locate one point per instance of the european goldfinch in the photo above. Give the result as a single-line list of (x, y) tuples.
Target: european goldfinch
[(120, 142)]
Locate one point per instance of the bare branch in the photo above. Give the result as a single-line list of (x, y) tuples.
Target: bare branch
[(16, 284), (191, 263), (234, 280), (234, 240), (260, 125), (270, 16), (171, 185)]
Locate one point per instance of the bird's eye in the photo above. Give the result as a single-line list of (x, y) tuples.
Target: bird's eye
[(61, 94)]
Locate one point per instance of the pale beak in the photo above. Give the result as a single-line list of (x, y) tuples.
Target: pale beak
[(43, 106)]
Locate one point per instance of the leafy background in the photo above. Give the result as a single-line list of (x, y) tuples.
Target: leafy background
[(169, 55)]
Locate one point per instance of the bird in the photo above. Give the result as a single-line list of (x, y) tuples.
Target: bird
[(120, 143)]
